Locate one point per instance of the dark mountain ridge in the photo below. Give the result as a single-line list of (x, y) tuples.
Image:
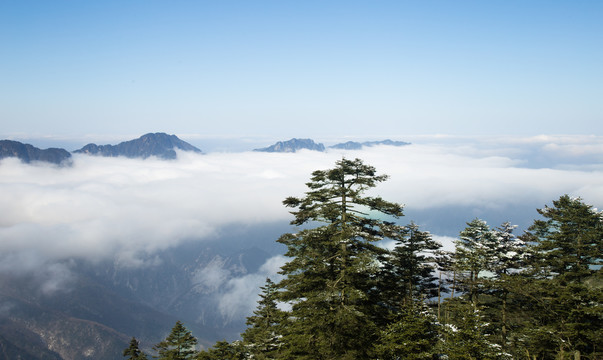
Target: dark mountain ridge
[(29, 153), (160, 145)]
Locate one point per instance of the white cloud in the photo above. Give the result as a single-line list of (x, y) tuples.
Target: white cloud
[(272, 266), (434, 176), (56, 277), (49, 276), (116, 207), (211, 277), (242, 293)]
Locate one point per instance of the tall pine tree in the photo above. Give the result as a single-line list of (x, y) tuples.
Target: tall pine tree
[(565, 300), (330, 279)]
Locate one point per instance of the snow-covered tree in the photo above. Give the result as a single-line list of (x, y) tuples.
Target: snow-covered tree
[(506, 260), (569, 240), (466, 337), (563, 291), (473, 255), (409, 269), (508, 251)]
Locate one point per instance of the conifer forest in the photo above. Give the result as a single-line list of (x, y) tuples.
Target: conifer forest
[(343, 295)]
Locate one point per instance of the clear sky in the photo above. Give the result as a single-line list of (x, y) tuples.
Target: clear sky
[(301, 68)]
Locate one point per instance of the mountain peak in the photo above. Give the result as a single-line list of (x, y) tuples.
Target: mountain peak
[(293, 145), (161, 145)]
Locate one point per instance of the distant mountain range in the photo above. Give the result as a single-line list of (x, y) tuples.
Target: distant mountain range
[(160, 145), (294, 145), (353, 145)]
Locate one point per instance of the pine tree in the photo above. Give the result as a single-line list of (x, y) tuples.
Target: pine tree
[(473, 252), (565, 302), (330, 279), (508, 251), (569, 240), (263, 334), (466, 336), (412, 336), (178, 345), (408, 272), (505, 262), (482, 258), (223, 350), (133, 351)]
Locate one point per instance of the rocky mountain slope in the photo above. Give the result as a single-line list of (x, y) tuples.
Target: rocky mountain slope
[(85, 320), (102, 305)]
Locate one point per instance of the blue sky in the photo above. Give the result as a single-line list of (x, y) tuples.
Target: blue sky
[(318, 69)]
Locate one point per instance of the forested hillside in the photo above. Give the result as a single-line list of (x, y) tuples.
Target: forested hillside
[(498, 295)]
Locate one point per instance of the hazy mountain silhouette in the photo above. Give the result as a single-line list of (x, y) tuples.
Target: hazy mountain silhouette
[(160, 145), (353, 145), (293, 145), (28, 153)]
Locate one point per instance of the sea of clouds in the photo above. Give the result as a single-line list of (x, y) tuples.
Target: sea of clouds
[(129, 209)]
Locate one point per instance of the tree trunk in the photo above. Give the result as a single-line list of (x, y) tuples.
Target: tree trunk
[(453, 284), (439, 295), (504, 321), (473, 289)]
